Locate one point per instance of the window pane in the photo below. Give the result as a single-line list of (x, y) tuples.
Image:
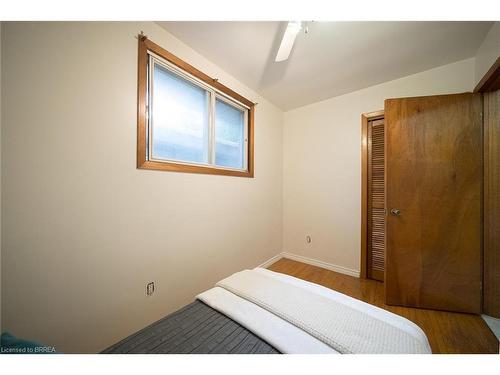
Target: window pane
[(179, 118), (229, 135)]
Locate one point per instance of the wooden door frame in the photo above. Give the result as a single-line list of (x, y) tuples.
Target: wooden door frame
[(489, 83), (491, 261), (365, 118), (491, 80)]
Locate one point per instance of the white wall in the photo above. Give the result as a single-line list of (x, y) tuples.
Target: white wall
[(322, 163), (488, 52), (83, 229)]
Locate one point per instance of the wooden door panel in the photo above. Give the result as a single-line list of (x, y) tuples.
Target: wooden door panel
[(433, 176)]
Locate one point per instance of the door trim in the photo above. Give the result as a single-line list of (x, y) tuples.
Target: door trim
[(491, 80), (365, 118), (491, 199)]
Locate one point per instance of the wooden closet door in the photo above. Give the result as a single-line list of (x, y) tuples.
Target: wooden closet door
[(433, 199), (376, 200)]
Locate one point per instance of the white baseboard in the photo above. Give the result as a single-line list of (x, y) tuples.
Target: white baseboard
[(313, 262), (271, 261), (319, 263)]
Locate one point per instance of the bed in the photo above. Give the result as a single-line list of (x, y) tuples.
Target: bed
[(263, 312), (195, 329)]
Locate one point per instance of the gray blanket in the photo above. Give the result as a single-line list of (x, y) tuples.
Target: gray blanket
[(196, 328)]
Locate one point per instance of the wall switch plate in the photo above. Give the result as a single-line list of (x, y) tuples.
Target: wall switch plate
[(150, 288)]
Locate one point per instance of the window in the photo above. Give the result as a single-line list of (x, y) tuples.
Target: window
[(189, 122)]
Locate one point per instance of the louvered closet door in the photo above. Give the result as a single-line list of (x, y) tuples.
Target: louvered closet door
[(376, 200)]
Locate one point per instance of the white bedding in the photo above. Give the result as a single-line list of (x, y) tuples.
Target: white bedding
[(287, 337), (284, 336)]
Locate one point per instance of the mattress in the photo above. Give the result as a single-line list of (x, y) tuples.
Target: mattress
[(197, 329)]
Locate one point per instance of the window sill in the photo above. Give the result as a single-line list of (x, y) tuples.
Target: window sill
[(186, 168)]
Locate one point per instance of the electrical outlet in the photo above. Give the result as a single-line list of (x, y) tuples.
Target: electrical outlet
[(308, 239), (150, 288)]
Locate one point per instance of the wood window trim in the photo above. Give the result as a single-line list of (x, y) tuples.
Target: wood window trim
[(365, 118), (146, 45)]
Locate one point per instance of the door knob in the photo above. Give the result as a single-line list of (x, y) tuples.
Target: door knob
[(395, 212)]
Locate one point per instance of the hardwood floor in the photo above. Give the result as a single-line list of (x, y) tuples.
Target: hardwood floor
[(447, 332)]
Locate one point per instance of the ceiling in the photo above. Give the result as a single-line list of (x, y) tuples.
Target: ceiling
[(334, 58)]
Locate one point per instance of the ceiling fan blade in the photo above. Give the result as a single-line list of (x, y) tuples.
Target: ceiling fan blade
[(292, 29)]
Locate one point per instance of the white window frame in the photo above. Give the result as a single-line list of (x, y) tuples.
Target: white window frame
[(213, 95)]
